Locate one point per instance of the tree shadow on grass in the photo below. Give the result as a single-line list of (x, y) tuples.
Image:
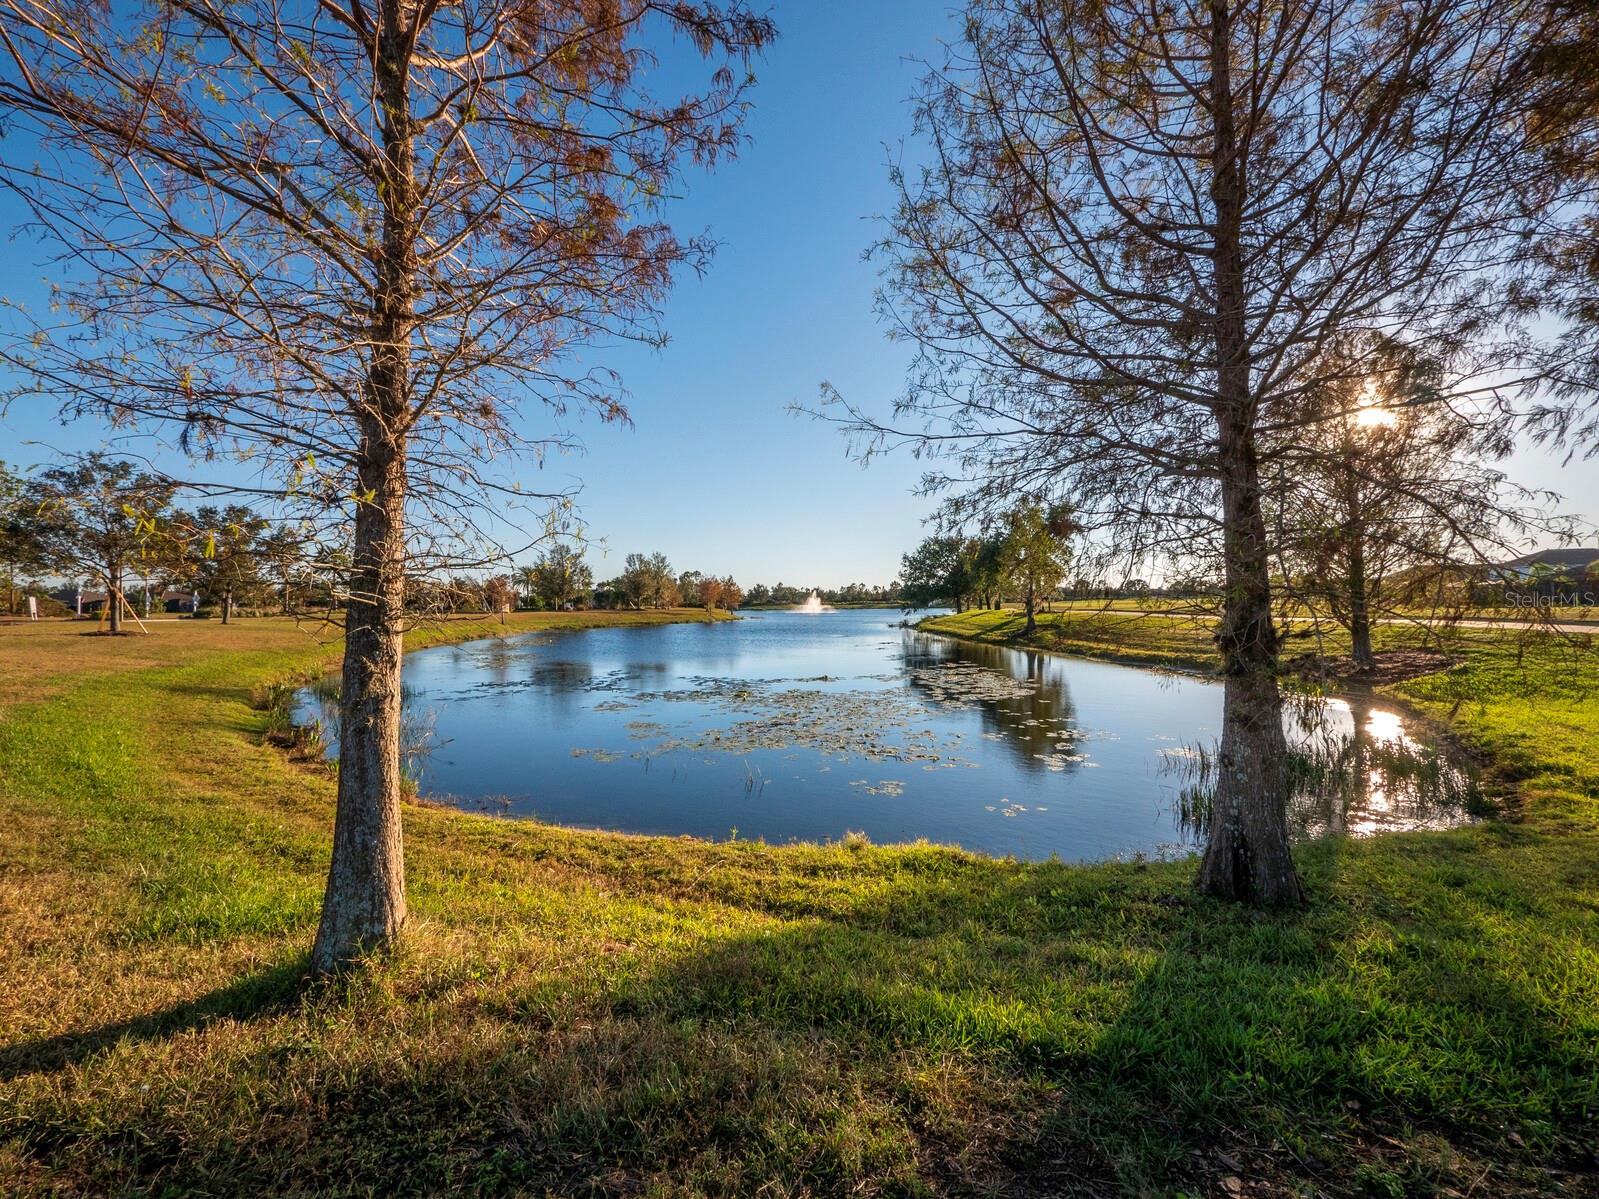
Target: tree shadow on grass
[(1165, 1039), (264, 993), (969, 1027)]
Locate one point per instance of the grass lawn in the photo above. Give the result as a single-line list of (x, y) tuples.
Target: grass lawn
[(591, 1014)]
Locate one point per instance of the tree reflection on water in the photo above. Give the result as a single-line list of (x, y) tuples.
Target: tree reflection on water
[(1034, 718), (1354, 769)]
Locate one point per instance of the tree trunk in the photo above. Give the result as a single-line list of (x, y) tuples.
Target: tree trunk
[(1246, 855), (1359, 606), (227, 607), (113, 597), (364, 905), (1032, 621)]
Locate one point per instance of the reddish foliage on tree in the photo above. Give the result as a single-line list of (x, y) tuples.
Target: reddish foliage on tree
[(710, 592), (359, 240)]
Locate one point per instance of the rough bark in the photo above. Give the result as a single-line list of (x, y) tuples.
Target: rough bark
[(1247, 855), (364, 905)]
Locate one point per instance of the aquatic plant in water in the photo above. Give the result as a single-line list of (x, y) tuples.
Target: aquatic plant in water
[(1352, 769)]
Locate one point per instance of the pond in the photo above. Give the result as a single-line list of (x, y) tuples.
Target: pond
[(788, 726)]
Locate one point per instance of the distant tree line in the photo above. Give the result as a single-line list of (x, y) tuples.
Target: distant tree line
[(106, 526), (561, 580), (110, 528), (647, 581), (116, 532), (784, 595)]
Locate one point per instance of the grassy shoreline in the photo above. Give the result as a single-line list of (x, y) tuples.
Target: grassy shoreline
[(588, 1013), (1100, 634)]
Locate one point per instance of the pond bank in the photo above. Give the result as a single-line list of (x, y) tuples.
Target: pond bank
[(1159, 641)]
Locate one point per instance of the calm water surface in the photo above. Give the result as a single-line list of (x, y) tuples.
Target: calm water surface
[(786, 726)]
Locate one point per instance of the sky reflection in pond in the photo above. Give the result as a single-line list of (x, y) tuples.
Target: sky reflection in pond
[(790, 727)]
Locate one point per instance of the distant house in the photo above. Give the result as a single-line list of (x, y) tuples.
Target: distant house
[(168, 600), (1573, 564), (173, 601), (1550, 577)]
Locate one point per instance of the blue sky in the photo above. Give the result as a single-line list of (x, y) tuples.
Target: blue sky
[(716, 472)]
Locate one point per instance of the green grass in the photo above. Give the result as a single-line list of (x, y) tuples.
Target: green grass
[(590, 1014), (1097, 632)]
